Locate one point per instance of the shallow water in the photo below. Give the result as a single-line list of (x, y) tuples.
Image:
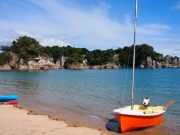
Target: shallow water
[(94, 93)]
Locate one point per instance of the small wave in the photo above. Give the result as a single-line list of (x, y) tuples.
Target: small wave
[(94, 117)]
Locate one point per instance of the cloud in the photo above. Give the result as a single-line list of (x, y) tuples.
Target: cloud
[(54, 22), (93, 28), (52, 42)]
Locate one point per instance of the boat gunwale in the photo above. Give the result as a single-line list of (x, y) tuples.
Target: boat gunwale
[(120, 111)]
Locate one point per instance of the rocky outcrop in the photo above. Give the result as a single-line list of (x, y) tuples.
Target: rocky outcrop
[(150, 63), (62, 61), (166, 62), (14, 60), (85, 66), (5, 67), (38, 63), (12, 64), (78, 67), (158, 64), (46, 63), (106, 66)]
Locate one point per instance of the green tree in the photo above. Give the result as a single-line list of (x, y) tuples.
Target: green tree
[(74, 59), (5, 57), (26, 47), (142, 52)]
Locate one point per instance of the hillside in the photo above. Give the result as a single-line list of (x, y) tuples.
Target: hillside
[(26, 53)]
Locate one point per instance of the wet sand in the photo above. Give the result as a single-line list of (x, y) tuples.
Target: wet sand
[(106, 126)]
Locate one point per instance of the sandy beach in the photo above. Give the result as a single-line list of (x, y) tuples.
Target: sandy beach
[(16, 121)]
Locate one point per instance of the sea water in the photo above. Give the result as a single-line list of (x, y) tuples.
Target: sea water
[(94, 93)]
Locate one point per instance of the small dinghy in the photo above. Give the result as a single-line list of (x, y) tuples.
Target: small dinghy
[(139, 116), (4, 98)]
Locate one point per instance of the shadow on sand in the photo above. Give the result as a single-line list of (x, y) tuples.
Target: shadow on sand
[(112, 125)]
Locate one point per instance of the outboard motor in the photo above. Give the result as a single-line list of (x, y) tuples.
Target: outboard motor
[(146, 101)]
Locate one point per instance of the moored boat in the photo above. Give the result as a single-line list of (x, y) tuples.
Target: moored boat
[(139, 117), (4, 98)]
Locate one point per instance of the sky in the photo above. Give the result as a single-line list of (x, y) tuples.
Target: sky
[(93, 24)]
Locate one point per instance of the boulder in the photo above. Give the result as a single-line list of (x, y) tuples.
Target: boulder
[(141, 66), (63, 60), (158, 64), (39, 63), (149, 62), (14, 60), (153, 64), (5, 67)]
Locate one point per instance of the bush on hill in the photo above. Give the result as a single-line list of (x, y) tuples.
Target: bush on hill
[(26, 47), (142, 52), (5, 57)]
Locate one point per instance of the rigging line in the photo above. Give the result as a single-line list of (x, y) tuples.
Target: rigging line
[(126, 73), (125, 85)]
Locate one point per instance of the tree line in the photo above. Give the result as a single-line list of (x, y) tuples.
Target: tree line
[(27, 48)]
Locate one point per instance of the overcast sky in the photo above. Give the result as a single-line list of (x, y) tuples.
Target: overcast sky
[(94, 24)]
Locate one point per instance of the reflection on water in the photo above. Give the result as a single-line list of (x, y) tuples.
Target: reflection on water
[(94, 93)]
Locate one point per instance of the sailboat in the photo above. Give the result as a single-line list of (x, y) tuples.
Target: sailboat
[(139, 116)]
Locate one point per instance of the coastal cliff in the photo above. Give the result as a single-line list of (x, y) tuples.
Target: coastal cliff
[(37, 63), (165, 62), (47, 63), (27, 54)]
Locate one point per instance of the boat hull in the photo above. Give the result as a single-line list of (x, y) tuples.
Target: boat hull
[(132, 122), (4, 98)]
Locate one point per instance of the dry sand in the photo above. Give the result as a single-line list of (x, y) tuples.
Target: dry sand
[(15, 121)]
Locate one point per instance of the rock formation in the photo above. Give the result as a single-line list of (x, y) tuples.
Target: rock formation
[(38, 63), (46, 63), (166, 62)]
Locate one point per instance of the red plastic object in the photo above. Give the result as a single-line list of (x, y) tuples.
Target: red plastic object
[(14, 102)]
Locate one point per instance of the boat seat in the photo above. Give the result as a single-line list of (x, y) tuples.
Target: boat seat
[(148, 109)]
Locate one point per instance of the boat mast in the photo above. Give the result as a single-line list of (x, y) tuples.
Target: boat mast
[(134, 54)]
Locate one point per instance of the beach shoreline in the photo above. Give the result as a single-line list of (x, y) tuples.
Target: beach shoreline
[(34, 122), (60, 117), (108, 127), (30, 122)]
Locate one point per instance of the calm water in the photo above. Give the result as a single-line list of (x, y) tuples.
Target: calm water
[(94, 92)]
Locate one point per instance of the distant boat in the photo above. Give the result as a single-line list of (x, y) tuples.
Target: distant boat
[(4, 98), (138, 116)]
